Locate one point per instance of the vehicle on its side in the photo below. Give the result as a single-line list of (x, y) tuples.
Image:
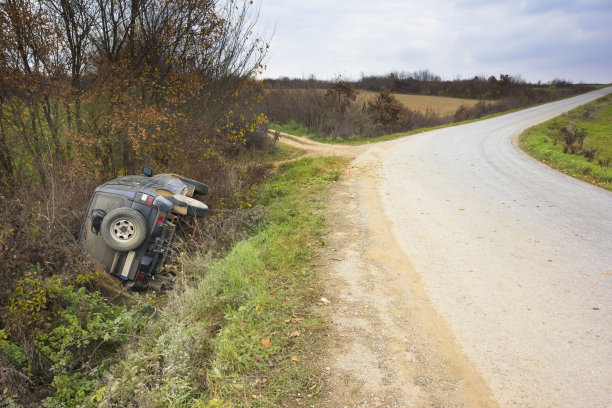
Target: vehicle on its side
[(130, 223)]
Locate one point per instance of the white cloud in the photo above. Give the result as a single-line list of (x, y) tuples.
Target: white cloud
[(538, 40)]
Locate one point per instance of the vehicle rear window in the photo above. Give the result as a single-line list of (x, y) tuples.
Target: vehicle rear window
[(107, 202)]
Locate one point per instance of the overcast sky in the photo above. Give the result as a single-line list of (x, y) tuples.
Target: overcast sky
[(534, 39)]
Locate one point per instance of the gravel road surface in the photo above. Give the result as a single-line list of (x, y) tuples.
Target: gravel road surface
[(515, 257)]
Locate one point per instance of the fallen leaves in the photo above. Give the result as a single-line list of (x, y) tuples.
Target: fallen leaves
[(266, 343)]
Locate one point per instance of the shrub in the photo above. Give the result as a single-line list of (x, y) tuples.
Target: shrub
[(573, 136), (387, 111), (66, 332), (479, 110)]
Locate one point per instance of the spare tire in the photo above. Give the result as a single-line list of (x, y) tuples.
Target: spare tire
[(199, 188), (184, 205), (124, 229)]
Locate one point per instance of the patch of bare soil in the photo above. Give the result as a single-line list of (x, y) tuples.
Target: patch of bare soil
[(388, 347)]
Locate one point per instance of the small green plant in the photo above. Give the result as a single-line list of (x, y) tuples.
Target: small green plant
[(28, 300), (293, 128), (12, 351)]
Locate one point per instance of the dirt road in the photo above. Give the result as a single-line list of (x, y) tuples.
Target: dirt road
[(463, 273)]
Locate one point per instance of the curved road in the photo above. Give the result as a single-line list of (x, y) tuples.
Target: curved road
[(516, 257)]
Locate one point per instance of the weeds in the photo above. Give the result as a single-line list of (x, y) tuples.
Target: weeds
[(235, 331), (573, 136), (59, 311), (227, 335)]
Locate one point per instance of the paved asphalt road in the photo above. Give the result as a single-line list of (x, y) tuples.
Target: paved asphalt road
[(516, 257)]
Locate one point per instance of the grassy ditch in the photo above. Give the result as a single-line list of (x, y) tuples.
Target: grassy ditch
[(239, 331), (578, 143)]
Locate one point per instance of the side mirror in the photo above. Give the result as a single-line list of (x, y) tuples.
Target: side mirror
[(147, 171)]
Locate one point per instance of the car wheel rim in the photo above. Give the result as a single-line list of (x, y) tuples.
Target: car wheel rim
[(123, 230)]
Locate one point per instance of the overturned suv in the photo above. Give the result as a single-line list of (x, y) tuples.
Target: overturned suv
[(130, 223)]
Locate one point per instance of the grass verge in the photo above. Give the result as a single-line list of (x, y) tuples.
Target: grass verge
[(293, 128), (591, 161), (239, 331)]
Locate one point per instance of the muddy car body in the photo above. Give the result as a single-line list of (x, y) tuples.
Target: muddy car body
[(130, 223)]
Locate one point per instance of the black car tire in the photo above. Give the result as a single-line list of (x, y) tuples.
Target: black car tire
[(184, 205), (124, 229), (199, 188)]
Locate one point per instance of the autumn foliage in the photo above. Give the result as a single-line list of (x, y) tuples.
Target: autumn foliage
[(91, 90)]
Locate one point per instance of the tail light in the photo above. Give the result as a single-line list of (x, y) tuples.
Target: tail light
[(146, 199), (140, 278), (160, 218)]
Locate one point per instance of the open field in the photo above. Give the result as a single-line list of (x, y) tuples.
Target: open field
[(443, 106), (546, 142)]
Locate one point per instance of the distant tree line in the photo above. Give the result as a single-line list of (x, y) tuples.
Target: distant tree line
[(308, 101)]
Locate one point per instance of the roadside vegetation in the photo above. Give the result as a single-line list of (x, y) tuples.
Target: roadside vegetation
[(578, 143), (239, 331), (376, 106), (94, 90)]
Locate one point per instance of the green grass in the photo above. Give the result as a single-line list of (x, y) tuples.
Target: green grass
[(545, 143), (241, 331), (293, 128)]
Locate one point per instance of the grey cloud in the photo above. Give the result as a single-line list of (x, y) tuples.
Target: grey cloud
[(534, 39)]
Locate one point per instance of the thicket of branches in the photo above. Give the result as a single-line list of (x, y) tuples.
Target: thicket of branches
[(336, 113), (91, 90), (114, 84)]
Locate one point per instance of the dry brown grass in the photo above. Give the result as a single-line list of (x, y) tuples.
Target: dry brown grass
[(421, 103), (443, 106)]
